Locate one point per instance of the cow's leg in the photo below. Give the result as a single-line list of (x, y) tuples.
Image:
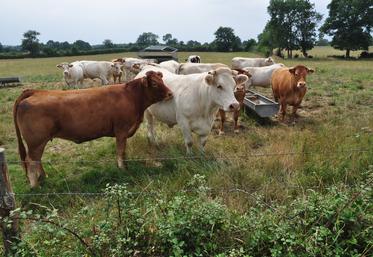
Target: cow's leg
[(202, 141), (294, 112), (187, 133), (121, 150), (222, 120), (282, 110), (236, 114), (35, 171), (150, 125), (104, 80)]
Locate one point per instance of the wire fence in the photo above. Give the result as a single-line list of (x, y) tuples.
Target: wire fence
[(205, 157)]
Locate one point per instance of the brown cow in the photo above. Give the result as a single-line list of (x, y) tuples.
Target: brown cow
[(289, 87), (82, 115), (239, 93)]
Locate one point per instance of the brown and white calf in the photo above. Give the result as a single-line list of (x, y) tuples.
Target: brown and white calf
[(239, 94)]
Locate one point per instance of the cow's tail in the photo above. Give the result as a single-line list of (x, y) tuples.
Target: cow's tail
[(21, 147)]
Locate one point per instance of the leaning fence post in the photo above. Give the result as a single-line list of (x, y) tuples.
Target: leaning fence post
[(7, 204)]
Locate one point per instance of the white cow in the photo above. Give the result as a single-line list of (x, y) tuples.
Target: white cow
[(131, 66), (240, 62), (102, 70), (72, 73), (172, 66), (261, 76), (194, 59), (197, 98), (191, 68)]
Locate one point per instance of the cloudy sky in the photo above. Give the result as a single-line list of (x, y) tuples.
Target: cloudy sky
[(123, 20)]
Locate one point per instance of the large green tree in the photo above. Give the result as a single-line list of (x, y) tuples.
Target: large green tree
[(81, 45), (292, 26), (169, 40), (30, 42), (226, 40), (146, 39), (305, 25), (350, 23)]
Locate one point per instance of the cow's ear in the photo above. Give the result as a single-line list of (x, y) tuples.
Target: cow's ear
[(310, 70), (70, 65), (160, 74), (292, 70), (210, 77), (59, 65), (240, 79)]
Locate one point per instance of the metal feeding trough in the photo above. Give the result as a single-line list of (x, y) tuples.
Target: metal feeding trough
[(10, 80), (260, 104)]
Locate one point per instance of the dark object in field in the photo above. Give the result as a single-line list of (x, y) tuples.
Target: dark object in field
[(365, 55), (261, 105), (82, 115), (160, 53), (4, 81)]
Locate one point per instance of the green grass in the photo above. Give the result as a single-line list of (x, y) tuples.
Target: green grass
[(336, 116)]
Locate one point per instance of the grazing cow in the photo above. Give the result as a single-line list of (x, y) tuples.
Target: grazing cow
[(193, 59), (239, 94), (240, 62), (197, 98), (289, 87), (128, 65), (191, 68), (72, 73), (102, 70), (261, 76), (171, 66), (82, 115)]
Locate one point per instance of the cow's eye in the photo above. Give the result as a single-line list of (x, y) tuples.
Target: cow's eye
[(220, 87)]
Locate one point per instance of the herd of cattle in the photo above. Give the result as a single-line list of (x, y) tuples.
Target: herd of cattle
[(187, 94)]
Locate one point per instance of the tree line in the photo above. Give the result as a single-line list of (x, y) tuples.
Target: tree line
[(293, 25)]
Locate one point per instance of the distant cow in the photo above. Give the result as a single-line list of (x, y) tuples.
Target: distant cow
[(239, 94), (261, 76), (72, 73), (197, 98), (193, 59), (128, 65), (289, 87), (241, 62), (102, 70), (82, 115), (192, 68)]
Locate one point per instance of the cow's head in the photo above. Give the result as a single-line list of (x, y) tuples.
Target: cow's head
[(117, 68), (300, 73), (269, 61), (223, 82), (156, 90), (65, 67), (244, 86)]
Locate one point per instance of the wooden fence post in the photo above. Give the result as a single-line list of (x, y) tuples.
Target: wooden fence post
[(7, 204)]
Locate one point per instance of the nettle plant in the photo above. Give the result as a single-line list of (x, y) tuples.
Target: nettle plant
[(192, 222)]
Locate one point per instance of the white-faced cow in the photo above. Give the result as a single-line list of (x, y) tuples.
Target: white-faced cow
[(197, 98), (72, 73), (193, 59)]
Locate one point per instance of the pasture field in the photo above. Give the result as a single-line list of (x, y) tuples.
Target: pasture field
[(331, 145)]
